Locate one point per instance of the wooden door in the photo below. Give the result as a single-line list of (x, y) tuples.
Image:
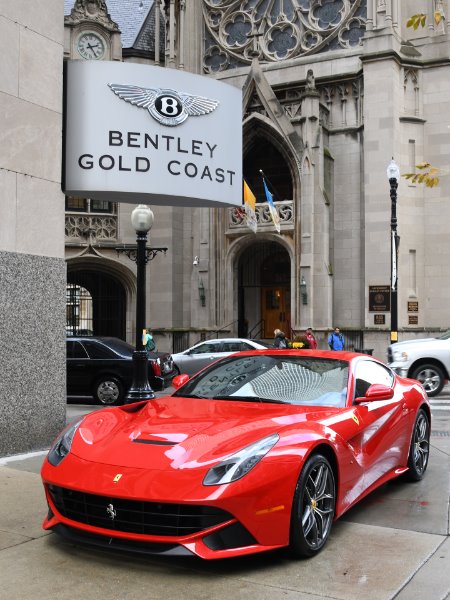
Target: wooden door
[(275, 310)]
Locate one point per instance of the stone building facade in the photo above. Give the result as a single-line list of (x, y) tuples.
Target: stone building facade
[(331, 92)]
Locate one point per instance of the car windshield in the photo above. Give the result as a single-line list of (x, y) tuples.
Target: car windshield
[(444, 336), (298, 380)]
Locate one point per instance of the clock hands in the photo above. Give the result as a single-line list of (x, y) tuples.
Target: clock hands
[(92, 48)]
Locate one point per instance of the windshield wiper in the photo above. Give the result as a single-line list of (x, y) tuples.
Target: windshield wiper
[(247, 399)]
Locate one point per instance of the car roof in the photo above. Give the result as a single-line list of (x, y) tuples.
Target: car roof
[(230, 339)]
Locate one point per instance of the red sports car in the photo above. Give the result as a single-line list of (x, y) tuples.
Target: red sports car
[(260, 450)]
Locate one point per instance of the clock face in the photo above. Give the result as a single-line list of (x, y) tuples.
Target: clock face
[(91, 46)]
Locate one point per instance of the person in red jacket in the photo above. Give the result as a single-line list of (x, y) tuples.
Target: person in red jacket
[(311, 339)]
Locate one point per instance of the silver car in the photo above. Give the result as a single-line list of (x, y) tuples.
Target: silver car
[(193, 359)]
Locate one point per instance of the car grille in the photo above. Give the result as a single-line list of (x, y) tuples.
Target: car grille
[(134, 516)]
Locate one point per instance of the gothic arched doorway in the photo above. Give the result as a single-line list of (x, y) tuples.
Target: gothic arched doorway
[(262, 154), (264, 290), (96, 301)]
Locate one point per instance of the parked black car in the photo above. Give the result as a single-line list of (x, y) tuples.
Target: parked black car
[(103, 367)]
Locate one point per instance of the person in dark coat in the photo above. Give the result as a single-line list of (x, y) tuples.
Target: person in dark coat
[(280, 341)]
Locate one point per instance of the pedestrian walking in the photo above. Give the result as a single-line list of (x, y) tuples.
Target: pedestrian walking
[(336, 340), (311, 338), (148, 341), (280, 341)]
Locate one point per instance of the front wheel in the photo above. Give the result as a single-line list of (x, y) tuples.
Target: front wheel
[(108, 391), (431, 377), (313, 507), (420, 447)]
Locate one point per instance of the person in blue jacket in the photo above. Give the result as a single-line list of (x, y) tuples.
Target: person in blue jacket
[(336, 340)]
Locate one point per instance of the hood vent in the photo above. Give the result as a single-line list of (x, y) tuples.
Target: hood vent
[(154, 442)]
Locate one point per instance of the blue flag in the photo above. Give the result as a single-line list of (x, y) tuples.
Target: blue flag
[(273, 211)]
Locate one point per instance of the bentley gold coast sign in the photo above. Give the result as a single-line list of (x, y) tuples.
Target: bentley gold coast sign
[(141, 134)]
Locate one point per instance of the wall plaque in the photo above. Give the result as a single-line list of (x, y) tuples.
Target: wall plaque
[(379, 319), (413, 306), (413, 320), (379, 298)]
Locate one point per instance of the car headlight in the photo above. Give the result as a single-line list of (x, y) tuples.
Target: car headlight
[(398, 356), (239, 464), (63, 443)]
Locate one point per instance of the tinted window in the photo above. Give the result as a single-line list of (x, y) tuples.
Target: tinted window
[(368, 372), (206, 348), (234, 347), (75, 350), (97, 351)]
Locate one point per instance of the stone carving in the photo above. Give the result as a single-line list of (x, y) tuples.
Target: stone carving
[(283, 29), (91, 10), (97, 227), (285, 209), (310, 82)]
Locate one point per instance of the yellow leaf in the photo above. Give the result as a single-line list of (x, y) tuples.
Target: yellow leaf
[(415, 20), (437, 17)]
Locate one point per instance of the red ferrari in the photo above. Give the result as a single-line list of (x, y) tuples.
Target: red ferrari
[(260, 450)]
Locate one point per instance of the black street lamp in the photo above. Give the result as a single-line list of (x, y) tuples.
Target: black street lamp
[(142, 220), (393, 175)]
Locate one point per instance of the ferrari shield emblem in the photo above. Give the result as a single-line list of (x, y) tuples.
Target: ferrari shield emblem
[(117, 477), (355, 418)]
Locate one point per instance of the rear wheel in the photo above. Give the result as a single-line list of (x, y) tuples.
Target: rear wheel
[(108, 391), (313, 507), (431, 377), (420, 447)]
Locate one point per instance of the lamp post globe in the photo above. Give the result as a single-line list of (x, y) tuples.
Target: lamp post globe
[(393, 175), (142, 220), (393, 172)]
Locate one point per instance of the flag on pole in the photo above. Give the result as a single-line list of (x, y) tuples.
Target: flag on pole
[(249, 207), (273, 211)]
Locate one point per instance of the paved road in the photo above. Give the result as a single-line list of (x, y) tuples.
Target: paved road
[(393, 545)]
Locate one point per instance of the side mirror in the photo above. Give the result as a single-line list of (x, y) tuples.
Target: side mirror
[(179, 380), (377, 391)]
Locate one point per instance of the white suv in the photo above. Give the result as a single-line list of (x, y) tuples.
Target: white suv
[(427, 360)]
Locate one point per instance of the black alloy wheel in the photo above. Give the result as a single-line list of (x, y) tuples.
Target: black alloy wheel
[(108, 391), (313, 507), (420, 447), (431, 377)]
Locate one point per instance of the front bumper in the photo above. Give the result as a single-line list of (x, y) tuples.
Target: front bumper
[(401, 369), (257, 509)]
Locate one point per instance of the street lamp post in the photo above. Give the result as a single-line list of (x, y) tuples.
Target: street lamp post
[(142, 221), (393, 174)]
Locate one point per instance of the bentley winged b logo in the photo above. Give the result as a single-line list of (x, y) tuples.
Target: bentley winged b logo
[(167, 106)]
